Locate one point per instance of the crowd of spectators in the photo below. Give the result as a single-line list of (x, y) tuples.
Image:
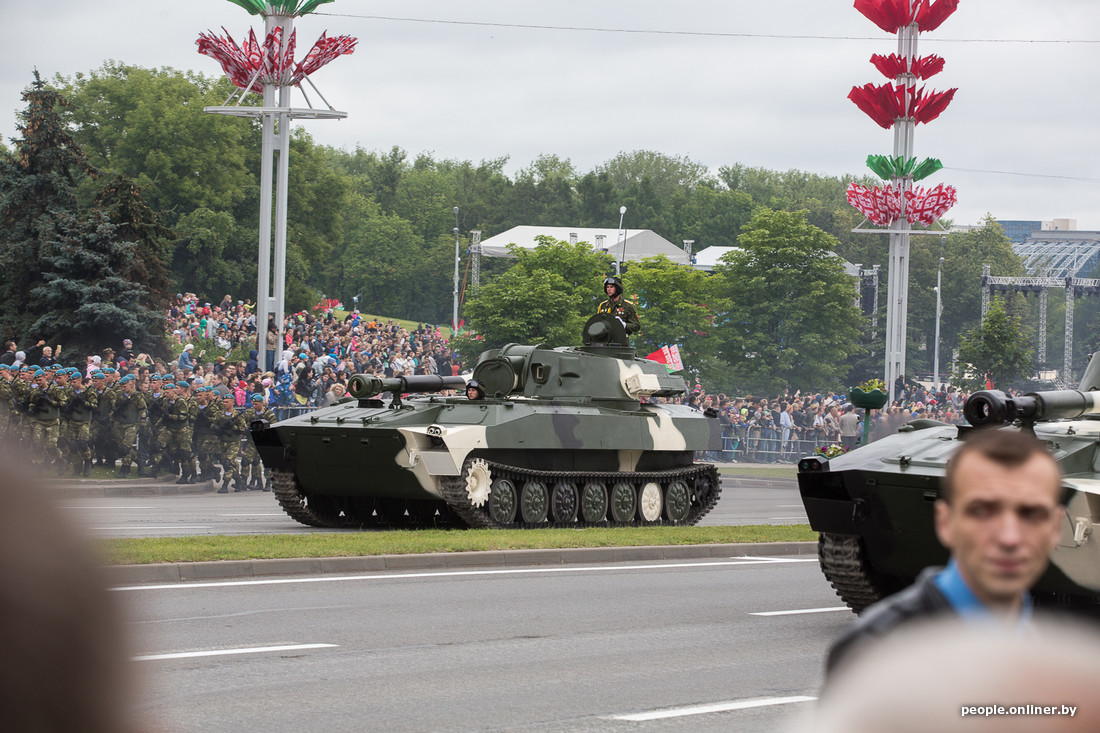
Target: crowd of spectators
[(317, 356), (786, 427)]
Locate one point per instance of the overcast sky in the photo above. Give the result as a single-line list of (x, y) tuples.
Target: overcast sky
[(483, 89)]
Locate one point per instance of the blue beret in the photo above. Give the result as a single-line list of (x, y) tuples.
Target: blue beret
[(257, 398), (98, 374), (182, 385), (39, 373), (127, 378), (4, 367), (110, 370)]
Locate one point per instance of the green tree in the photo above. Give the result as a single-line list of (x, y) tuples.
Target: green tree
[(997, 349), (791, 319), (676, 305), (83, 285), (522, 307)]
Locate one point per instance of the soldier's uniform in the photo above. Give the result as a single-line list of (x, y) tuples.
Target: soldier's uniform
[(619, 306), (21, 421), (44, 402), (101, 417), (205, 440), (82, 402), (153, 432), (251, 459), (128, 412), (179, 416), (230, 428), (5, 401)]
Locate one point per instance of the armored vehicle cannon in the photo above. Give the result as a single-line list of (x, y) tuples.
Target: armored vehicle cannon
[(873, 507), (564, 436)]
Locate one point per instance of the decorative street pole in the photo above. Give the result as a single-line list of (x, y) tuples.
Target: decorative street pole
[(454, 314), (901, 105), (269, 69), (939, 308), (622, 247)]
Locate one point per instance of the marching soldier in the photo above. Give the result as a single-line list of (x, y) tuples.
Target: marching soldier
[(258, 411), (179, 415), (5, 400), (44, 402), (82, 402), (205, 439), (101, 417), (152, 434), (128, 412), (230, 426)]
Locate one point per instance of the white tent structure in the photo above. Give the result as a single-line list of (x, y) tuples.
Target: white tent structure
[(706, 259), (640, 243)]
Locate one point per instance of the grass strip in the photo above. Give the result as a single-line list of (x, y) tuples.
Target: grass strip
[(143, 551)]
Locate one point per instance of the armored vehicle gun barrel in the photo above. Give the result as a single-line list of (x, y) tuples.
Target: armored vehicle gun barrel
[(363, 386), (994, 407)]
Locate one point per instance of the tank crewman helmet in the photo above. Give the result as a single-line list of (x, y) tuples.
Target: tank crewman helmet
[(478, 388), (612, 280)]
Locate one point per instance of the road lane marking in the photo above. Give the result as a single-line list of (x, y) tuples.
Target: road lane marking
[(144, 528), (103, 508), (224, 652), (801, 610), (272, 514), (465, 573), (718, 707)]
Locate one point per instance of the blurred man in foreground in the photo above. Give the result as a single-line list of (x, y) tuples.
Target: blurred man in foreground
[(999, 515)]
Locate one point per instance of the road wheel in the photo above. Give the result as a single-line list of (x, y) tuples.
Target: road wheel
[(502, 501), (624, 502), (534, 501), (594, 502), (563, 502), (677, 501), (650, 502)]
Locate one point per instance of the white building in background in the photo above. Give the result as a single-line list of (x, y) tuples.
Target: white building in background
[(639, 243)]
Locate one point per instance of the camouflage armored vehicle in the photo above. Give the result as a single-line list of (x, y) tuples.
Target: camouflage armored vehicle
[(873, 506), (563, 436)]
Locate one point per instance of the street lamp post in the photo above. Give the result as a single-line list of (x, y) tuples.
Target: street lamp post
[(454, 317), (936, 351), (622, 246)]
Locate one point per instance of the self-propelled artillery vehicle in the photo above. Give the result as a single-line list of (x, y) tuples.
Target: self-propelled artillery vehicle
[(873, 507), (562, 436)]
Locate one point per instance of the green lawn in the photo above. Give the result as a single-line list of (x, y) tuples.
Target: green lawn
[(355, 544)]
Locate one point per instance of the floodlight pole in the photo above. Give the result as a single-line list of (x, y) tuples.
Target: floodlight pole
[(454, 317), (936, 351), (622, 246)]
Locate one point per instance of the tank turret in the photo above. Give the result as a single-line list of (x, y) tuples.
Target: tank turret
[(565, 436)]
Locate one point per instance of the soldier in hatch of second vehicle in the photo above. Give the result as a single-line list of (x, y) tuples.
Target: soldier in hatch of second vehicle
[(619, 306)]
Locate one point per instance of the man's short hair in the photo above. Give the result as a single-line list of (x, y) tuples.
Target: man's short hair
[(1007, 448)]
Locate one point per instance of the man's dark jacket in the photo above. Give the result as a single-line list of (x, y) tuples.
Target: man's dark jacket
[(922, 600)]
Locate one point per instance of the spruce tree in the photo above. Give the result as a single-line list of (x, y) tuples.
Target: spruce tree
[(85, 279)]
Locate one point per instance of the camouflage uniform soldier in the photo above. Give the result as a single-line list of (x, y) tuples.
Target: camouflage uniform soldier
[(5, 400), (82, 402), (179, 416), (101, 416), (21, 392), (618, 306), (61, 381), (43, 405), (231, 426), (128, 411), (153, 433), (258, 411), (206, 437)]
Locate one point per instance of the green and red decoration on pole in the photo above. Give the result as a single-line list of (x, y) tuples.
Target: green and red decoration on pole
[(901, 105)]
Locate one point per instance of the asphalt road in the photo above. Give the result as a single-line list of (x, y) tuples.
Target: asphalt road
[(255, 512), (635, 647)]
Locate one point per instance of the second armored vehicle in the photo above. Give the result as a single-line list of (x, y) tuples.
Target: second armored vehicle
[(873, 507)]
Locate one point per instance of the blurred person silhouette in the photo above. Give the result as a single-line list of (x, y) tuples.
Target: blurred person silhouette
[(64, 665), (953, 675), (999, 514)]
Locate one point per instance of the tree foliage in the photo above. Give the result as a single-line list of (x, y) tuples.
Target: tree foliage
[(80, 276), (791, 319), (996, 349)]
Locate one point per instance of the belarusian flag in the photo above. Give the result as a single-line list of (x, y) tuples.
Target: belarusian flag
[(669, 356)]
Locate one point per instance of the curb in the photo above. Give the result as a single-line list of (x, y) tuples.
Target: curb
[(121, 575)]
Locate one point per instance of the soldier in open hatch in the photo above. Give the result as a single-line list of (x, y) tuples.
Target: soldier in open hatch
[(619, 306)]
